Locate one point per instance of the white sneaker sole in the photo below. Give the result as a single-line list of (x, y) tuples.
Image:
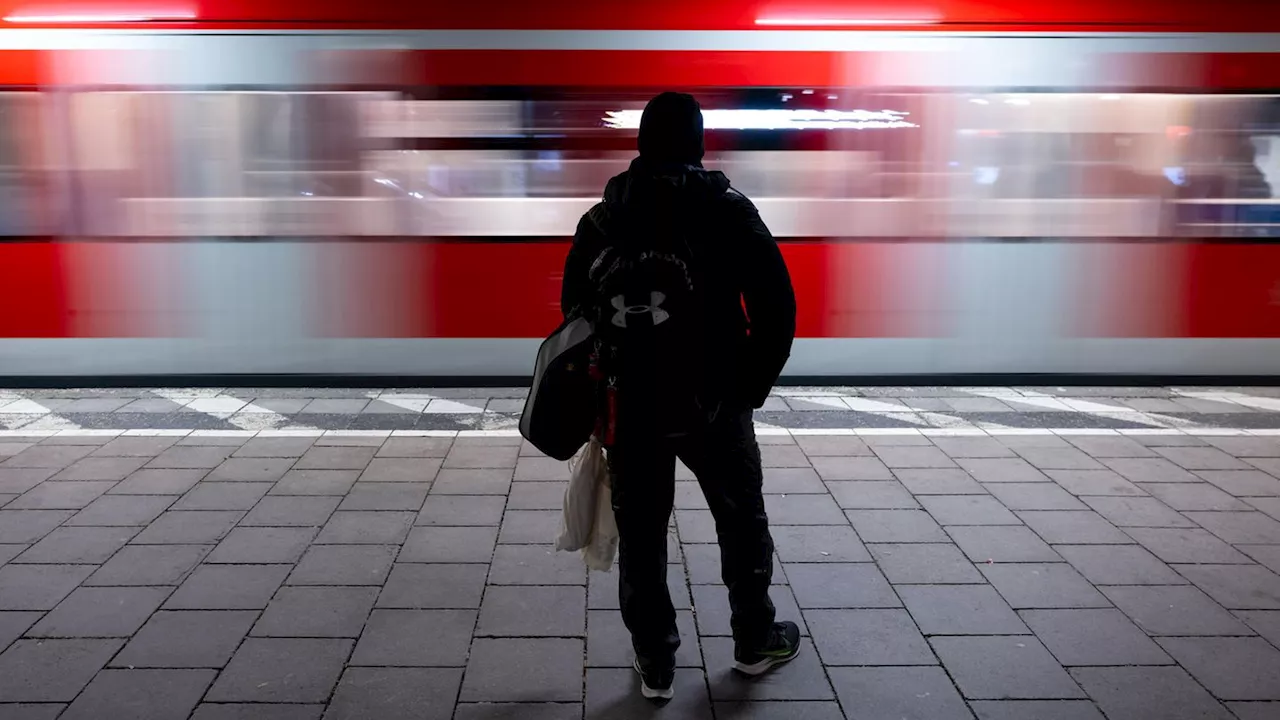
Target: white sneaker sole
[(652, 693), (762, 667)]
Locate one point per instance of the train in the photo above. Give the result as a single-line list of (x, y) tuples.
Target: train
[(273, 187)]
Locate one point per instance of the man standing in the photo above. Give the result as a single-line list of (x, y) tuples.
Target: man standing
[(694, 316)]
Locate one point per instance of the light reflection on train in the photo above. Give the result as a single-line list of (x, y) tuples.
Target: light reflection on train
[(420, 230)]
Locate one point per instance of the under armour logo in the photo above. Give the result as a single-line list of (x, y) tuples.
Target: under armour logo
[(654, 308)]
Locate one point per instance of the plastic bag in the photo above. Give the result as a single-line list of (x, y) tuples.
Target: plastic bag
[(581, 498), (598, 554)]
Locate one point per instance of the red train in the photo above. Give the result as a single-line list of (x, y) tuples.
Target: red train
[(328, 187)]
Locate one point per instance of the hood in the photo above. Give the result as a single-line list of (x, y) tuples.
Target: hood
[(644, 184)]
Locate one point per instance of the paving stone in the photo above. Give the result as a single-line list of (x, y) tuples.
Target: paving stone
[(1236, 587), (896, 526), (1183, 611), (101, 468), (1246, 446), (281, 670), (696, 526), (892, 693), (415, 447), (401, 470), (60, 495), (223, 496), (783, 456), (939, 482), (1267, 555), (69, 545), (851, 468), (1186, 545), (518, 711), (1238, 668), (609, 643), (316, 482), (122, 511), (48, 456), (803, 678), (51, 670), (228, 587), (1239, 527), (1108, 446), (1157, 692), (536, 565), (302, 512), (1194, 496), (141, 694), (713, 615), (1095, 482), (614, 694), (135, 446), (23, 527), (366, 528), (482, 481), (344, 565), (1201, 458), (1036, 710), (844, 585), (1059, 459), (31, 711), (101, 612), (537, 496), (868, 637), (206, 457), (158, 482), (524, 670), (998, 470), (493, 456), (804, 510), (1243, 483), (1137, 512), (784, 481), (1002, 543), (275, 447), (997, 668), (832, 445), (818, 544), (145, 565), (703, 562), (187, 639), (602, 591), (913, 457), (38, 587), (196, 527), (1119, 565), (1255, 710), (1270, 506), (533, 612), (535, 469), (317, 612), (937, 563), (395, 694), (15, 481), (243, 469), (14, 624), (386, 496), (336, 458), (1049, 585), (1034, 496), (972, 447), (434, 587), (968, 510), (872, 495), (1075, 527), (529, 527), (416, 638), (1150, 470), (1094, 637), (960, 610)]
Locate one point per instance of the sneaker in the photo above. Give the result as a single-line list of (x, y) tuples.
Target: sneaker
[(783, 645), (655, 682)]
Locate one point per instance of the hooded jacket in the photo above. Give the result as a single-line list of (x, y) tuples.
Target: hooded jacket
[(753, 319)]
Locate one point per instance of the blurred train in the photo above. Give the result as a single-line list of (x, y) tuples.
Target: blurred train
[(273, 186)]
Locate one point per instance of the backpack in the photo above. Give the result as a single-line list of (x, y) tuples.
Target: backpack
[(650, 318)]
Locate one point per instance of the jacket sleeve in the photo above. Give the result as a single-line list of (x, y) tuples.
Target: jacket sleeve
[(770, 302), (575, 287)]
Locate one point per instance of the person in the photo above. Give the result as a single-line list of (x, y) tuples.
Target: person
[(672, 242)]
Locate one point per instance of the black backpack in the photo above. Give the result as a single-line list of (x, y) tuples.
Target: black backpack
[(650, 318)]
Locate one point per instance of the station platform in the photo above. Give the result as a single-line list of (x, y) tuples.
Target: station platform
[(951, 553)]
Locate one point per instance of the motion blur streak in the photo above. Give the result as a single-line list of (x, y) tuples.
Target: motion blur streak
[(279, 188)]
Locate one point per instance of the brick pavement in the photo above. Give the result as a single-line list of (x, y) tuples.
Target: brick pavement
[(939, 574)]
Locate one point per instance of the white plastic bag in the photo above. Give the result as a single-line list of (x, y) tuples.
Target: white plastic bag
[(581, 498), (598, 555)]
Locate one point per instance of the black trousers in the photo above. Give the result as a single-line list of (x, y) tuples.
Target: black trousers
[(726, 460)]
